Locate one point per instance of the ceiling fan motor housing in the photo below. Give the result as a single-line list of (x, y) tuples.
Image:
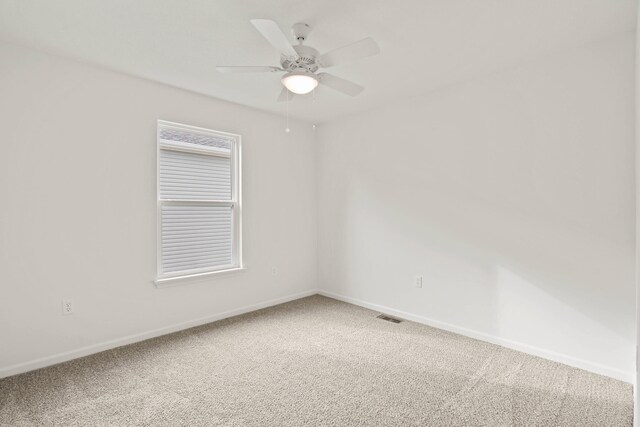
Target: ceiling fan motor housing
[(306, 59)]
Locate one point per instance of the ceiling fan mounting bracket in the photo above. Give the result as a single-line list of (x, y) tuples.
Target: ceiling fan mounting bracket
[(300, 31)]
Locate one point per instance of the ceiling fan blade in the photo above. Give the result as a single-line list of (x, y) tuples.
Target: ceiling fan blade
[(360, 49), (341, 85), (284, 94), (248, 69), (274, 35)]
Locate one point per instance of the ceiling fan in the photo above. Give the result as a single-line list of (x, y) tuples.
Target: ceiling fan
[(301, 63)]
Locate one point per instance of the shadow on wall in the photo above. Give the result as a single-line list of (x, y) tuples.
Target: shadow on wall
[(505, 273)]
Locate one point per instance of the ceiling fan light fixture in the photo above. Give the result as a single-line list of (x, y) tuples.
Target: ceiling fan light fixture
[(300, 82)]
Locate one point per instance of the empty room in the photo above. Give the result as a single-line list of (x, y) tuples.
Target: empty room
[(298, 213)]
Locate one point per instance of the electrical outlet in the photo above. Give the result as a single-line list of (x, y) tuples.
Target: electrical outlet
[(274, 271), (67, 306), (418, 281)]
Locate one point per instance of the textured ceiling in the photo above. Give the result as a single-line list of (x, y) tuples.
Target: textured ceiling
[(425, 44)]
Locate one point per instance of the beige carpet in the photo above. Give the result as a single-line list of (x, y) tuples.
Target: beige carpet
[(313, 362)]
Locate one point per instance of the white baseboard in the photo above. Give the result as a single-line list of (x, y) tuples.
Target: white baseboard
[(525, 348), (130, 339)]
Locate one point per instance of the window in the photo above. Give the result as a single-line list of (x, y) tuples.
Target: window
[(198, 201)]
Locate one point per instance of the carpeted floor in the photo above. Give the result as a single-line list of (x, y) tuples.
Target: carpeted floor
[(313, 362)]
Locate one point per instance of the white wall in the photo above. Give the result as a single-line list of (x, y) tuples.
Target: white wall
[(636, 407), (78, 208), (512, 194)]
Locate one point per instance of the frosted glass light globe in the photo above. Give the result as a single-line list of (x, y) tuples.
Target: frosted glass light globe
[(300, 82)]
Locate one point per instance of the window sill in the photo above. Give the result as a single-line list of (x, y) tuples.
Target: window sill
[(166, 282)]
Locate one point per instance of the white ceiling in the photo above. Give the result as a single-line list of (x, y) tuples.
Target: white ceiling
[(425, 44)]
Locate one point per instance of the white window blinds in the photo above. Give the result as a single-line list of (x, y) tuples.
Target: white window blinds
[(198, 200), (194, 176)]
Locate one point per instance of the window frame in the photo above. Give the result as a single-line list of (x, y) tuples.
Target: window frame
[(235, 202)]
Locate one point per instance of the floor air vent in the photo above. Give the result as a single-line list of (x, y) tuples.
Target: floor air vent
[(389, 319)]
